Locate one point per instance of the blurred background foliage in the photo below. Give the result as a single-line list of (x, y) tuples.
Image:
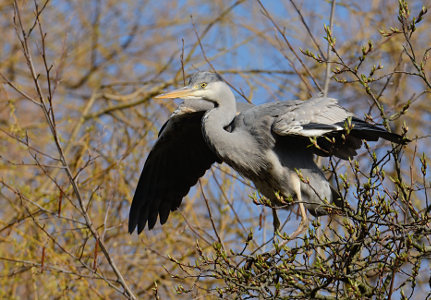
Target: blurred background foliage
[(99, 63)]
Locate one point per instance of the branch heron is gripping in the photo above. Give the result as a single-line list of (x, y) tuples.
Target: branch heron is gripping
[(270, 144)]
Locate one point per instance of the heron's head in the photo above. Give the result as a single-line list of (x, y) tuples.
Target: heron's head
[(202, 86)]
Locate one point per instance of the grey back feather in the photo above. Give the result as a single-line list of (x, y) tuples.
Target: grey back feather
[(324, 112)]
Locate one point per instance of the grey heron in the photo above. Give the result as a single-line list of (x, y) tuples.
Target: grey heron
[(270, 144)]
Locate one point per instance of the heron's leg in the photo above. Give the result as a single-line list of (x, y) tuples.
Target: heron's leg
[(296, 182), (275, 220)]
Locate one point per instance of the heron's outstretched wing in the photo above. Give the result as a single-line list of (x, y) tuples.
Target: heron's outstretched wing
[(177, 160), (336, 130)]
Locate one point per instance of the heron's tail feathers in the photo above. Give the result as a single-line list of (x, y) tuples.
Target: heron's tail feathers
[(344, 143), (369, 132)]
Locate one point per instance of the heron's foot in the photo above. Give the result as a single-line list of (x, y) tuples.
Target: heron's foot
[(303, 226)]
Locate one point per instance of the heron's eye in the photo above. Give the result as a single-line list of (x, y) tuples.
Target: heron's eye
[(204, 85)]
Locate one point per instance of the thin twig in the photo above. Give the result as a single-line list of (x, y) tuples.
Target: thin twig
[(308, 28), (211, 65), (307, 70), (182, 62), (48, 114), (328, 52), (210, 214), (207, 29)]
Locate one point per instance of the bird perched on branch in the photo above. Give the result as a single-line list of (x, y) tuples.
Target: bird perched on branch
[(272, 144)]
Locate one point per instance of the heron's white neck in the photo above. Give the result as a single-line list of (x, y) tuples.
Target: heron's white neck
[(214, 122)]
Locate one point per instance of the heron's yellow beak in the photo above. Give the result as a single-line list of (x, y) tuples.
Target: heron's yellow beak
[(179, 93)]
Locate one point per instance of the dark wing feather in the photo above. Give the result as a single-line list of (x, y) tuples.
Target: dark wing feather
[(177, 160)]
